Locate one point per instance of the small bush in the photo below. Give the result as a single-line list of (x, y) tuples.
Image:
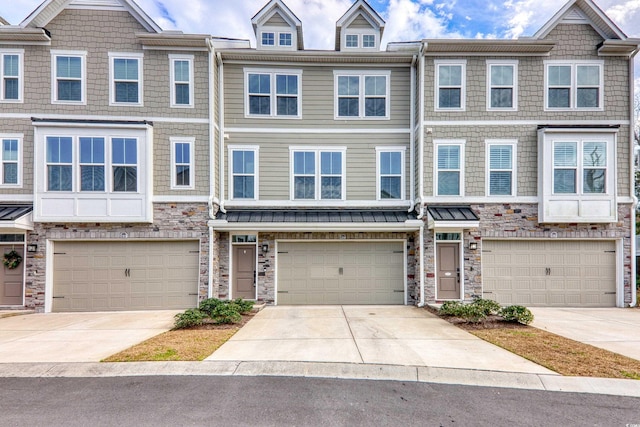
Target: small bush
[(472, 313), (209, 305), (190, 318), (244, 305), (516, 313), (227, 312), (451, 308), (488, 306)]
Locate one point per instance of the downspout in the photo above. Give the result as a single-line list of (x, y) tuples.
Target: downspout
[(421, 171), (634, 299), (412, 135), (212, 175), (221, 129)]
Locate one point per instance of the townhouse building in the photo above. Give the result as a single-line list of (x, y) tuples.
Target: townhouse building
[(150, 169)]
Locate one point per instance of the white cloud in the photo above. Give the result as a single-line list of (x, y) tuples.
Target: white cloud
[(408, 20)]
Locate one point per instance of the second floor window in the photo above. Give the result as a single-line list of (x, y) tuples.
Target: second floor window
[(11, 73), (574, 85), (273, 93), (181, 81), (579, 167), (317, 174), (500, 161), (362, 95), (10, 161), (243, 172), (59, 164), (126, 79), (449, 168), (450, 85), (390, 173), (69, 77), (182, 163), (91, 164), (502, 85)]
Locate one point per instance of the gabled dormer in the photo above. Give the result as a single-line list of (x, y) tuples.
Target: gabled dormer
[(277, 28), (360, 29)]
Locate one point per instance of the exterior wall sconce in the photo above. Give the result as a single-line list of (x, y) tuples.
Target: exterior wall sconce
[(265, 248), (32, 248), (473, 246)]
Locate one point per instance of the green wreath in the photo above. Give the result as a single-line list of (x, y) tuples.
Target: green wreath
[(12, 260)]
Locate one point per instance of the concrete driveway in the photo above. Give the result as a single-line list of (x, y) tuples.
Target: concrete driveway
[(394, 335), (77, 337), (614, 329)]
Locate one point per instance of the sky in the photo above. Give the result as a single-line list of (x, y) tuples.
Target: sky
[(405, 19)]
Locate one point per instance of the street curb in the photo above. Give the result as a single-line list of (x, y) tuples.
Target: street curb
[(424, 374)]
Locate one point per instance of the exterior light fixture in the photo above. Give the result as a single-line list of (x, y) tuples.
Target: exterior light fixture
[(265, 248), (473, 246), (32, 248)]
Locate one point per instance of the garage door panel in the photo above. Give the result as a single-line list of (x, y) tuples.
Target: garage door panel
[(558, 273)]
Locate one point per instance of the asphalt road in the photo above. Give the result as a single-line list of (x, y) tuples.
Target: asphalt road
[(276, 401)]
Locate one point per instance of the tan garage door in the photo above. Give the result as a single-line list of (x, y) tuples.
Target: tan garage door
[(113, 276), (550, 273), (340, 273)]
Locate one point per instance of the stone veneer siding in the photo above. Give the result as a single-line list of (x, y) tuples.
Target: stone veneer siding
[(267, 275), (180, 221), (508, 221)]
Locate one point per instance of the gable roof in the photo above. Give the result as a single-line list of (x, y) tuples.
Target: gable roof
[(3, 21), (363, 8), (49, 9), (278, 6), (583, 11)]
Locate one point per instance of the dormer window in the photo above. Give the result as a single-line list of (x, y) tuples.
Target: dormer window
[(351, 40), (268, 39), (285, 39), (368, 40)]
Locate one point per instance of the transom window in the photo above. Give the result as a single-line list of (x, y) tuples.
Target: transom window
[(11, 74), (318, 174), (390, 173), (68, 77), (268, 39), (450, 85), (501, 168), (275, 93), (502, 85), (243, 172), (182, 161), (449, 168), (579, 174), (126, 79), (181, 80), (10, 160), (574, 85), (362, 94)]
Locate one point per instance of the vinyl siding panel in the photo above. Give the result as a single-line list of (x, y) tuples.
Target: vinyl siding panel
[(23, 126), (360, 22)]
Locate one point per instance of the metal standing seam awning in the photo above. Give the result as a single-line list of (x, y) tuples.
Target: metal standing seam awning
[(452, 217), (350, 220), (16, 218)]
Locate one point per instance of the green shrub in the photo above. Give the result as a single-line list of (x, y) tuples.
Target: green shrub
[(488, 306), (191, 317), (208, 306), (227, 312), (516, 313), (244, 305), (472, 313), (451, 308)]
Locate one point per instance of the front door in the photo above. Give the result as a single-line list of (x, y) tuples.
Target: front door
[(244, 271), (448, 271), (11, 280)]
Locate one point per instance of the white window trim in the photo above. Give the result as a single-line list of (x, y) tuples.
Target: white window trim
[(514, 64), (391, 149), (273, 72), (361, 93), (182, 140), (375, 41), (112, 90), (573, 100), (318, 187), (463, 83), (514, 166), (275, 41), (359, 33), (436, 144), (20, 138), (285, 45), (20, 54), (256, 169), (172, 60), (83, 76)]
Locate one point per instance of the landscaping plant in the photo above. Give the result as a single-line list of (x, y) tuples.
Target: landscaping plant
[(516, 313), (214, 311)]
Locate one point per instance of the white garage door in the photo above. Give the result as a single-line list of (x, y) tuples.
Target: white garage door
[(114, 276), (340, 273), (550, 273)]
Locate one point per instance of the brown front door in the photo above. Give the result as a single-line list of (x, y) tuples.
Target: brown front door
[(244, 272), (448, 270), (11, 280)]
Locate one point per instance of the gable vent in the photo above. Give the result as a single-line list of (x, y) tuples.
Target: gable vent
[(97, 4), (575, 16)]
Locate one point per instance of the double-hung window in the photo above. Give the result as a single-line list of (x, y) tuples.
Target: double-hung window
[(362, 94), (10, 160), (501, 176), (318, 174), (182, 158), (124, 163), (92, 164), (574, 85), (59, 163), (126, 79), (181, 80), (450, 85), (579, 167), (390, 173), (449, 167), (244, 167), (502, 87), (273, 93), (11, 73), (69, 77)]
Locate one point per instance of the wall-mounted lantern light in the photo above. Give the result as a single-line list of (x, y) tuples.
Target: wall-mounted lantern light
[(265, 248), (473, 246), (32, 248)]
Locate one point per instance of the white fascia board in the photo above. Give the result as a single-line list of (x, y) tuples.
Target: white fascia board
[(223, 225), (23, 223), (452, 225)]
